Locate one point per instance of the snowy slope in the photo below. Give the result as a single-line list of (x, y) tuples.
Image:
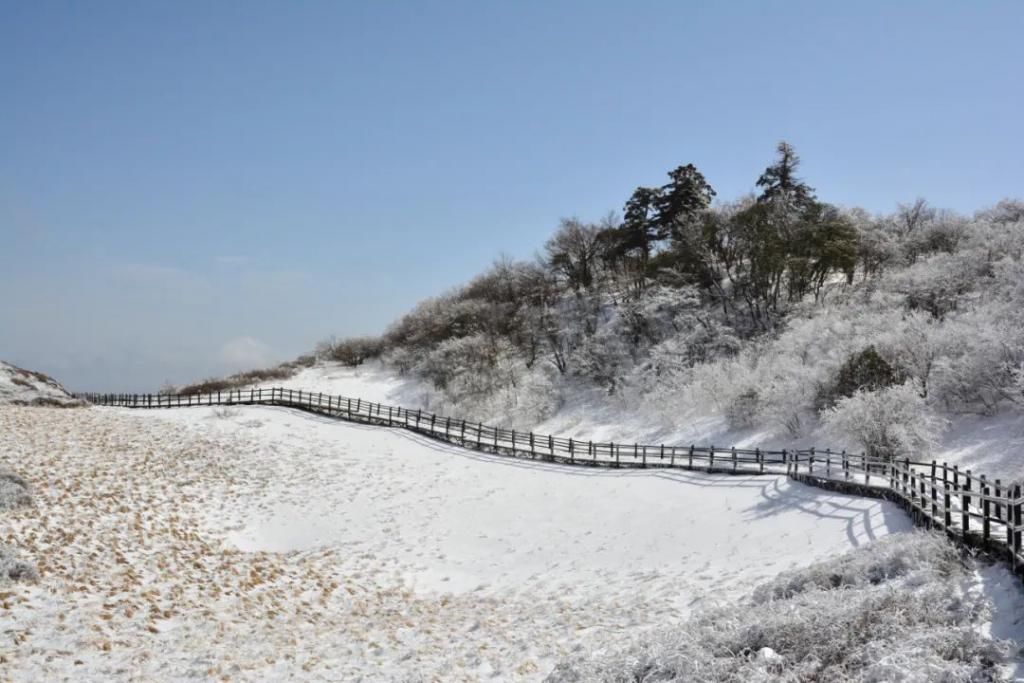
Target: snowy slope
[(24, 387), (993, 445), (263, 543)]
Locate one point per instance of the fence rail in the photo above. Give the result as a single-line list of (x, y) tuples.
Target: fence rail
[(967, 506)]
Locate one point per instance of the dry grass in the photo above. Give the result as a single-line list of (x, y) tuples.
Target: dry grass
[(892, 611), (14, 491)]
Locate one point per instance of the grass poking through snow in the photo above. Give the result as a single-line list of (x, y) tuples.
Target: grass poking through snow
[(891, 611)]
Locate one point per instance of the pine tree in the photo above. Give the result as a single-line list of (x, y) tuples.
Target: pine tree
[(682, 200), (781, 186)]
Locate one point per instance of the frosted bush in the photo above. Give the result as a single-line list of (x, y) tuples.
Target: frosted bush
[(975, 371), (14, 569), (14, 491), (744, 408), (925, 558), (890, 422), (892, 611)]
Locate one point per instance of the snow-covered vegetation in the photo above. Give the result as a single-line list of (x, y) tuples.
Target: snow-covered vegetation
[(896, 610), (14, 493), (778, 315), (26, 387), (265, 544)]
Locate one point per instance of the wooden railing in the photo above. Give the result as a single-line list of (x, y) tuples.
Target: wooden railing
[(967, 506)]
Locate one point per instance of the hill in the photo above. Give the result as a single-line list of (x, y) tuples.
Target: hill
[(29, 388)]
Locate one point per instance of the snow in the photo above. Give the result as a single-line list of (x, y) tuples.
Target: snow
[(370, 382), (259, 543), (22, 387), (989, 444), (1006, 596)]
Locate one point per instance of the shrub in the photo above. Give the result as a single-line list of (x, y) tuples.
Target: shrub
[(894, 610), (14, 491), (356, 350), (13, 569), (890, 422), (238, 380), (862, 371), (743, 410)]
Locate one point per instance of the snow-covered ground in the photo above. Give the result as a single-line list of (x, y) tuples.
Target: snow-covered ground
[(261, 543), (24, 387), (992, 445)]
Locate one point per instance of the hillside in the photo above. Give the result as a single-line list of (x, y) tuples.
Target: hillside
[(25, 387), (774, 320)]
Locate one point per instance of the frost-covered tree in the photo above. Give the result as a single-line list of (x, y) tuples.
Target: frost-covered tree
[(574, 253), (891, 422)]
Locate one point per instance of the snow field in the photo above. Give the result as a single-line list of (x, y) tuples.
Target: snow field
[(259, 543)]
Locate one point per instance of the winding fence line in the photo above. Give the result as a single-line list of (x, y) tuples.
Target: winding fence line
[(968, 507)]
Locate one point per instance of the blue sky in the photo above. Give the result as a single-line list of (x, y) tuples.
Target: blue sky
[(189, 188)]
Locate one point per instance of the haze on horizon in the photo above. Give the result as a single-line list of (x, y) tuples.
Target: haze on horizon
[(192, 189)]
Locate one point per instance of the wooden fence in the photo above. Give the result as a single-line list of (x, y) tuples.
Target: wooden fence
[(968, 507)]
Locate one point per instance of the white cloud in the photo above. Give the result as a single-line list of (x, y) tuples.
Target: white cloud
[(246, 353)]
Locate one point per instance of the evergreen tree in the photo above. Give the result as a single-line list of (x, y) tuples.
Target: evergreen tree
[(639, 230), (682, 200), (781, 186)]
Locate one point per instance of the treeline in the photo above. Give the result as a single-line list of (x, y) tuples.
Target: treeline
[(777, 309), (672, 264)]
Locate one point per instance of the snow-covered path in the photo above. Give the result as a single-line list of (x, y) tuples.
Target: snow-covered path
[(261, 543)]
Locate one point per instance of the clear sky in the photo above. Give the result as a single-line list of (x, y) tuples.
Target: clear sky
[(187, 188)]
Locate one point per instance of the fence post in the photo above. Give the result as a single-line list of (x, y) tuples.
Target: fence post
[(966, 511), (433, 420), (572, 452), (462, 431), (946, 500), (999, 506), (1009, 520), (672, 462), (828, 463), (447, 425), (913, 483), (690, 465), (616, 452), (1016, 526), (711, 458), (532, 453), (733, 458), (551, 446), (810, 462), (935, 497), (924, 496), (760, 460), (644, 454), (986, 526)]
